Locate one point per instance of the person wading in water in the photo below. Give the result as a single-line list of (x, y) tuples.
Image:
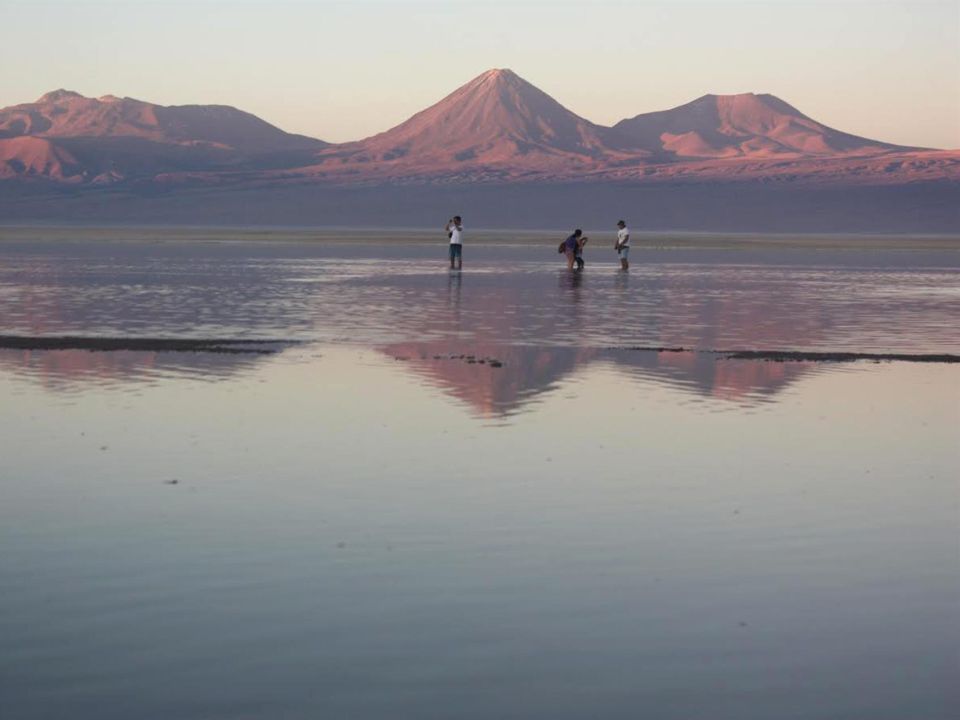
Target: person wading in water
[(454, 230), (571, 246), (623, 244)]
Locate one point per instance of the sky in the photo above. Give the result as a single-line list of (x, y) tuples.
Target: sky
[(345, 70)]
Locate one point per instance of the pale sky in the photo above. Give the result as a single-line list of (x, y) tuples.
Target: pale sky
[(345, 70)]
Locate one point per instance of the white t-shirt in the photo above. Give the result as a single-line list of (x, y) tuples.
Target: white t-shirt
[(623, 237), (455, 234)]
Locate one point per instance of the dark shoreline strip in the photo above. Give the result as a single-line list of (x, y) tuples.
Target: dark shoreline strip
[(236, 345), (805, 356), (801, 356), (108, 344)]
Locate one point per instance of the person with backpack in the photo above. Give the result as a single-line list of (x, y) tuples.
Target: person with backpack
[(570, 246)]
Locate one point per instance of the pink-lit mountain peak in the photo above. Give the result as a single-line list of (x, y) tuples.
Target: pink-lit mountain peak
[(753, 113), (68, 114), (58, 96), (746, 125), (496, 116)]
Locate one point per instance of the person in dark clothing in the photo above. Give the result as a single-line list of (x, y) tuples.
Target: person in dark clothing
[(569, 247), (578, 253)]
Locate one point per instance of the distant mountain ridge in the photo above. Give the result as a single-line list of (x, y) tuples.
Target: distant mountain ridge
[(63, 113), (745, 125), (496, 128), (65, 136)]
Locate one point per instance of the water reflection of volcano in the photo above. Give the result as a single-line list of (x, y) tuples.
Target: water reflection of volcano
[(68, 369), (527, 372), (524, 374), (573, 315), (710, 376)]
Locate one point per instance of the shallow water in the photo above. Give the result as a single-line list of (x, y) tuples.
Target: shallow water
[(862, 300), (371, 526)]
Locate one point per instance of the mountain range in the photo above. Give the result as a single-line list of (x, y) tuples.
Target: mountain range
[(496, 127), (498, 148)]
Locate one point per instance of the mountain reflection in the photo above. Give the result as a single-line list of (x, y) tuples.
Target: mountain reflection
[(742, 381), (525, 372), (66, 370), (463, 370), (498, 323), (543, 328), (514, 303)]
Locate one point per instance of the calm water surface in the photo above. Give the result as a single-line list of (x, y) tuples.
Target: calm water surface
[(865, 300), (368, 525)]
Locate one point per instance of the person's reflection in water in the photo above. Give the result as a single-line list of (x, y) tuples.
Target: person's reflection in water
[(645, 300), (454, 285), (621, 283), (573, 282), (571, 295)]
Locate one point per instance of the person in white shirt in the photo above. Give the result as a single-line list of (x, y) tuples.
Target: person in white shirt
[(623, 244), (454, 231)]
